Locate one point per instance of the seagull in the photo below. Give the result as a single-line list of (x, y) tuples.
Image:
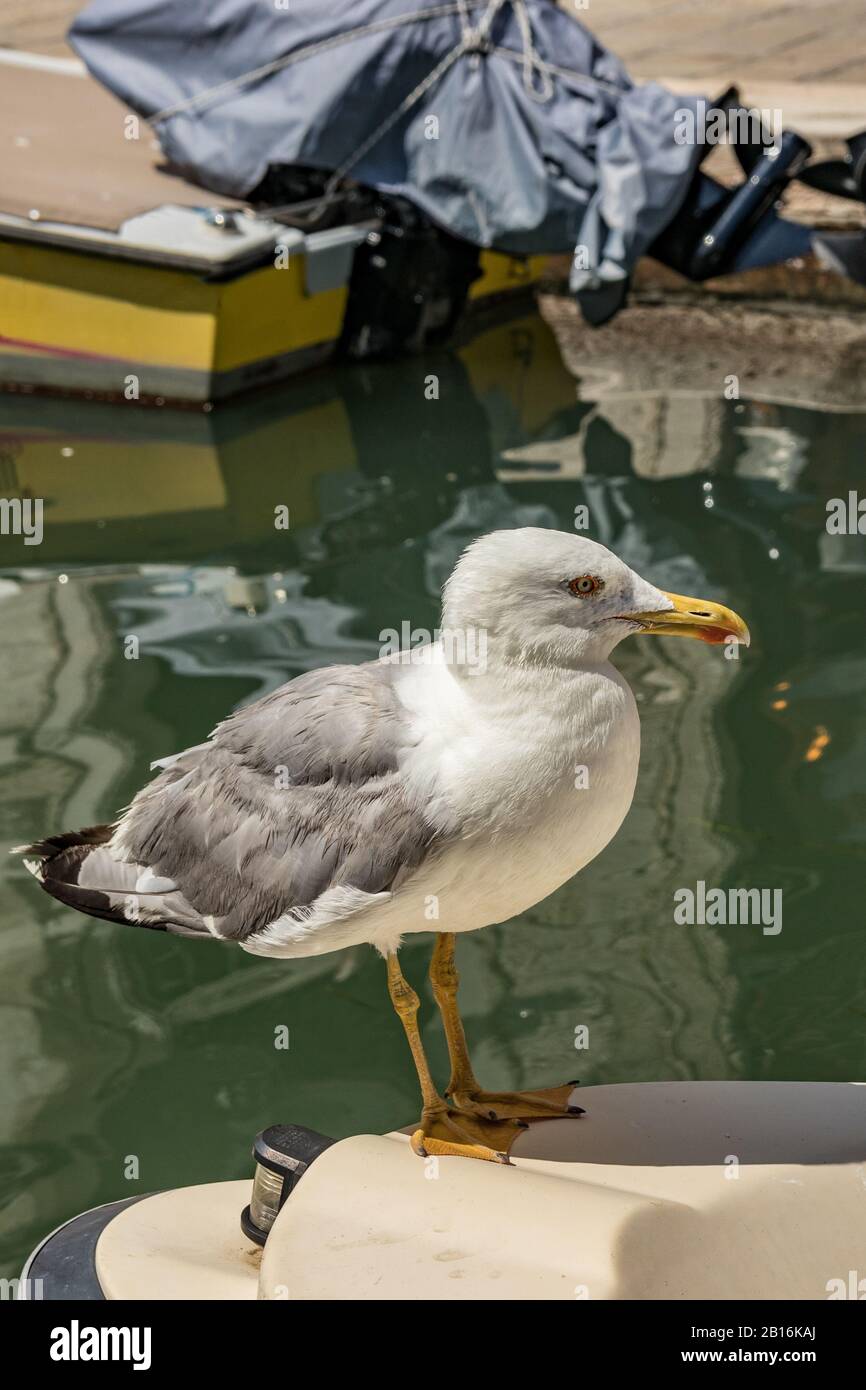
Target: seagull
[(440, 789)]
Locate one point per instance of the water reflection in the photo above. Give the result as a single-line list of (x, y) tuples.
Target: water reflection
[(163, 528)]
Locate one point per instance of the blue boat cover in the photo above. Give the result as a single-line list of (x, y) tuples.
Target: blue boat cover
[(504, 121)]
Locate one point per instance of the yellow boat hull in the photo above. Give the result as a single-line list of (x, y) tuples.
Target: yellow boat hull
[(103, 325)]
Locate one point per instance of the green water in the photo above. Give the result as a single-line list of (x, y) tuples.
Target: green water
[(120, 1044)]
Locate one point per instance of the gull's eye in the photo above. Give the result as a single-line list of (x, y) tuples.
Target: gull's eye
[(585, 585)]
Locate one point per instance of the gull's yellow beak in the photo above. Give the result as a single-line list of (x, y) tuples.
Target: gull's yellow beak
[(693, 617)]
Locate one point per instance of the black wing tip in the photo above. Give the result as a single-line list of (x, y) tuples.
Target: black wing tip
[(53, 845), (94, 904), (55, 863)]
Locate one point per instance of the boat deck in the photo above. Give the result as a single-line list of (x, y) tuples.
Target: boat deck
[(106, 169)]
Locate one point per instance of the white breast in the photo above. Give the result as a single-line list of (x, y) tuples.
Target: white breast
[(539, 775)]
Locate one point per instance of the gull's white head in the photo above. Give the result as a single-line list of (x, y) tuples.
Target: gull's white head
[(552, 597)]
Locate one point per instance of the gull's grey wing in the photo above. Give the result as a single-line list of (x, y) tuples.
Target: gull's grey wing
[(296, 796)]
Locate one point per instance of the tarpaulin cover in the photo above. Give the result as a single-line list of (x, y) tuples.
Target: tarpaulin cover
[(505, 121)]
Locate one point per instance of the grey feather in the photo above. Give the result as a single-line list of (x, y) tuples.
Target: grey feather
[(296, 794)]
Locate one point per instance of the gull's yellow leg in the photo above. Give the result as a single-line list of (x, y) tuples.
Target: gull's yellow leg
[(445, 982), (467, 1095), (441, 1133)]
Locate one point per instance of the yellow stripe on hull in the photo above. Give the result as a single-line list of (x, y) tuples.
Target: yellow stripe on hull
[(93, 322), (268, 313), (505, 274), (106, 307)]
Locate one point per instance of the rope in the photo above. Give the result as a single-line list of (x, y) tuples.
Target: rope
[(537, 73), (246, 79), (475, 40), (464, 46), (532, 60), (465, 21), (472, 41), (592, 84)]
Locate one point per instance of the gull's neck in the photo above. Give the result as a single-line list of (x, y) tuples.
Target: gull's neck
[(516, 679)]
